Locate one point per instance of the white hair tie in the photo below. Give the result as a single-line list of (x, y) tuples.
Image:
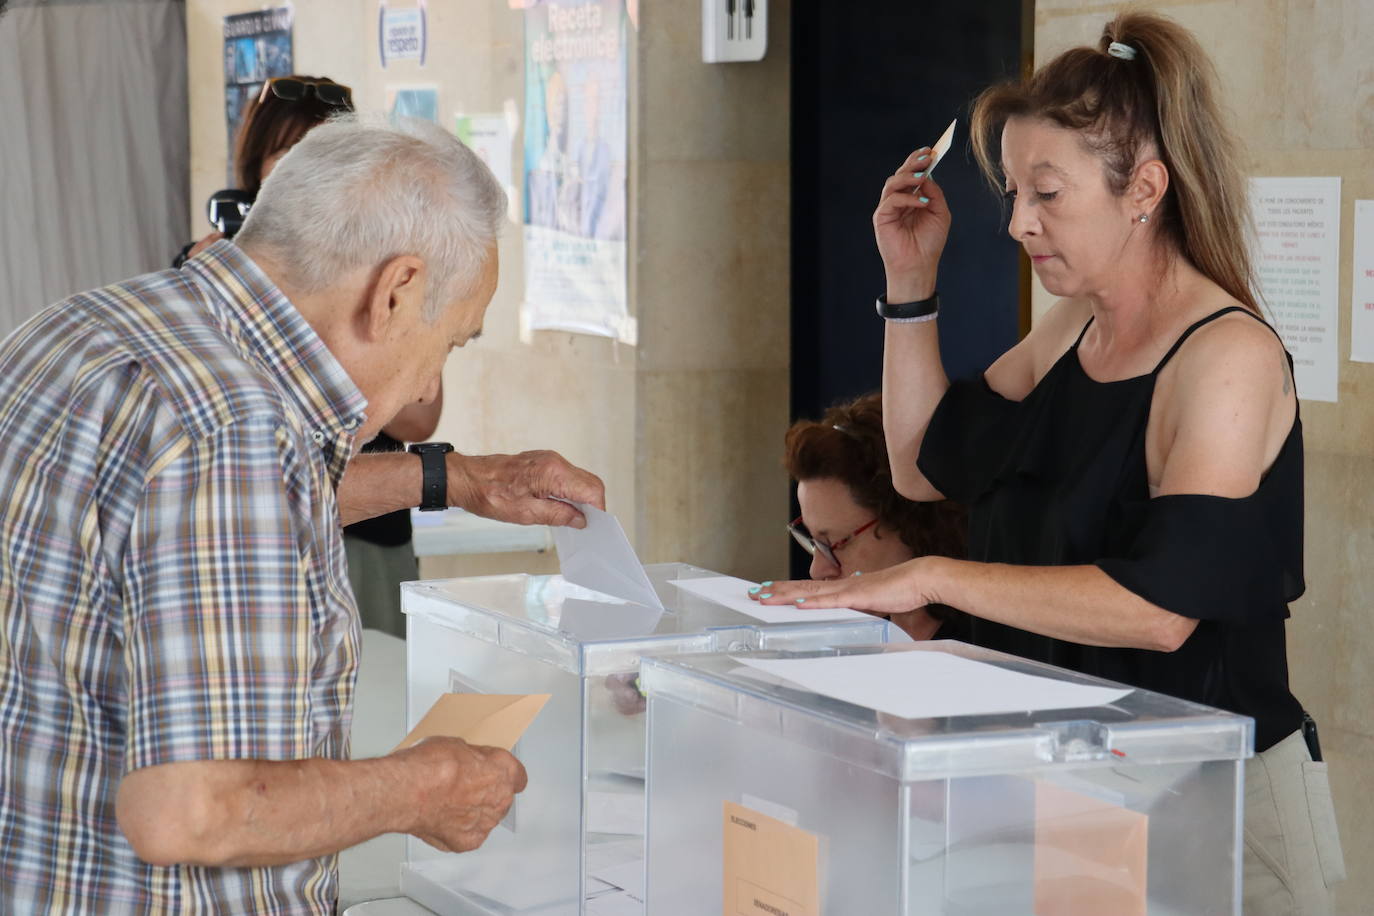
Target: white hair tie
[(1117, 49)]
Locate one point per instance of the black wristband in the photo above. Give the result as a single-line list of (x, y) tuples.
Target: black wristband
[(434, 487), (908, 311)]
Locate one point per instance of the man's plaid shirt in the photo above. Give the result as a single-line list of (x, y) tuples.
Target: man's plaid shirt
[(172, 576)]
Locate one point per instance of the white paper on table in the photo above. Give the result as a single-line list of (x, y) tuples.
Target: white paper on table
[(599, 557), (733, 593), (1362, 289), (615, 812), (628, 876), (920, 685), (1297, 259)]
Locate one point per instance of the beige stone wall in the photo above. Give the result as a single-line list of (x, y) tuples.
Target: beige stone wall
[(687, 428), (1297, 77)]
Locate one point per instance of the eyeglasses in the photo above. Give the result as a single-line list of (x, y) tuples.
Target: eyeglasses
[(290, 89), (813, 546)]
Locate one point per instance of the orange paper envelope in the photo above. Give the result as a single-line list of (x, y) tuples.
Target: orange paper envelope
[(1090, 855), (489, 719), (771, 867)]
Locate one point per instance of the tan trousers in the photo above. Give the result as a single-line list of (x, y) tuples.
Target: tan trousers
[(1292, 850)]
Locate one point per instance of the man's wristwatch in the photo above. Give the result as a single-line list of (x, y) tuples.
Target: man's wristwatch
[(907, 312), (434, 489)]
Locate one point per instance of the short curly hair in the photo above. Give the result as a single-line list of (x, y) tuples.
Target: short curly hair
[(847, 444)]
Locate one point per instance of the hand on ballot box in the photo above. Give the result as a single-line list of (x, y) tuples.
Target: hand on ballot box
[(531, 488), (462, 790), (892, 592)]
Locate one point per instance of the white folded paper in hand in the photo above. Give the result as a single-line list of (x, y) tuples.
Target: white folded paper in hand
[(599, 557)]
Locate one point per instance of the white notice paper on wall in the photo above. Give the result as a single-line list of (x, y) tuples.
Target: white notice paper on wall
[(1297, 255), (1362, 289), (920, 685)]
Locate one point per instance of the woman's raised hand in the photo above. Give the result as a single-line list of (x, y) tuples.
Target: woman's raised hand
[(911, 225)]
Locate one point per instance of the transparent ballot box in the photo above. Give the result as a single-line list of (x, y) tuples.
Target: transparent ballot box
[(574, 840), (911, 779)]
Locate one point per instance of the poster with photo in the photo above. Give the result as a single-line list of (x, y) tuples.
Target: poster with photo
[(413, 102), (257, 47), (574, 168)]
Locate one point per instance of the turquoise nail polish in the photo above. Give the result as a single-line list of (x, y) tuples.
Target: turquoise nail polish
[(918, 174), (923, 157), (766, 595), (801, 600), (755, 590), (766, 584), (925, 200)]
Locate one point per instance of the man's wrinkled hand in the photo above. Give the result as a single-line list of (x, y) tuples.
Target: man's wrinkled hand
[(468, 790), (526, 489)]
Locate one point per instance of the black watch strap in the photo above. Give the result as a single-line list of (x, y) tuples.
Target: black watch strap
[(434, 488), (908, 311)]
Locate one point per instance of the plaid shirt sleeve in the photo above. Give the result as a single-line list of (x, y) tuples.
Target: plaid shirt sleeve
[(218, 623)]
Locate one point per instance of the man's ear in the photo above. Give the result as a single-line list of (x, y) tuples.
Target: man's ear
[(397, 291), (1147, 188)]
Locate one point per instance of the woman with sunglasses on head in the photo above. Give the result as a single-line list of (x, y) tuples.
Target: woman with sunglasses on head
[(380, 555), (1134, 466), (854, 522), (285, 111)]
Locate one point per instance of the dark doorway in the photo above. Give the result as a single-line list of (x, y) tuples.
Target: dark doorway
[(872, 81)]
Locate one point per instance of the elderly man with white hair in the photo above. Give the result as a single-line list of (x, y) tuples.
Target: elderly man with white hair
[(178, 640)]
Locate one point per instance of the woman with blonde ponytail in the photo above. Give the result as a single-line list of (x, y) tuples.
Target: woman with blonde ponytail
[(1133, 467)]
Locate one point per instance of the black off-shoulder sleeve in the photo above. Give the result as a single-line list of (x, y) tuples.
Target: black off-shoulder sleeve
[(967, 440), (1212, 558)]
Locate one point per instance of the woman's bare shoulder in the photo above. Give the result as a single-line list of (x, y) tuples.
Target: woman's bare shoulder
[(1021, 368)]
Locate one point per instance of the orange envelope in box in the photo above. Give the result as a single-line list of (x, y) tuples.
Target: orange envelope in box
[(1090, 855), (495, 720)]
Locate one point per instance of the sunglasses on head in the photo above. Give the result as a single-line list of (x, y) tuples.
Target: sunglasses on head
[(290, 89)]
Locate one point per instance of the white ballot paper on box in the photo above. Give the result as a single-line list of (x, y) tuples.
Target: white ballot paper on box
[(599, 557), (734, 594), (923, 685)]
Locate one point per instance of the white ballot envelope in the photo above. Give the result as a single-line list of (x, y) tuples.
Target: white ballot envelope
[(937, 152), (599, 557)]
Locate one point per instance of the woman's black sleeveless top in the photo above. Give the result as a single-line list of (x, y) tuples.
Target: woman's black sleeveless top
[(1059, 479)]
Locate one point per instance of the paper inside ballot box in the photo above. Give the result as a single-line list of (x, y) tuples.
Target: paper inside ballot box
[(771, 868), (488, 719), (1090, 855)]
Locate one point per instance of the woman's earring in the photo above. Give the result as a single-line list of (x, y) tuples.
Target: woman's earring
[(1143, 218)]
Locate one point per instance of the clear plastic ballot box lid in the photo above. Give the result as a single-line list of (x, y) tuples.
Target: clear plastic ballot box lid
[(587, 633), (1137, 728)]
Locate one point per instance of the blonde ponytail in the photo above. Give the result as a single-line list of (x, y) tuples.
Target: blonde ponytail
[(1160, 96)]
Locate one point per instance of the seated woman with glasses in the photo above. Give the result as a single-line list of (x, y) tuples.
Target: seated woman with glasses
[(853, 521)]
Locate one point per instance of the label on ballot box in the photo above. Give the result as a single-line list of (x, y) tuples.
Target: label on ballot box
[(771, 868)]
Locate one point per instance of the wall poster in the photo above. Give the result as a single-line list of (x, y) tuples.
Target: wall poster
[(1297, 256), (1362, 287), (574, 172), (257, 46)]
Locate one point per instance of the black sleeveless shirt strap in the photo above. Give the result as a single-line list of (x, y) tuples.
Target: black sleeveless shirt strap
[(1213, 558), (966, 442), (1200, 323)]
